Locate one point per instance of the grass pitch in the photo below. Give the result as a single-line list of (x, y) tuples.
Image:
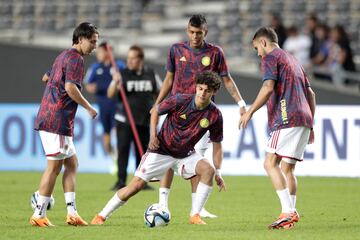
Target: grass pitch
[(329, 209)]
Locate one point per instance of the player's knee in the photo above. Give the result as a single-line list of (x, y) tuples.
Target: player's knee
[(54, 169)]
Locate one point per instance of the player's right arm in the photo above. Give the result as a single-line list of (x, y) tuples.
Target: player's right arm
[(74, 93)]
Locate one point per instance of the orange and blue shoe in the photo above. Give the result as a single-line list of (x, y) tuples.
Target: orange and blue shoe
[(75, 220), (40, 222), (196, 219), (284, 221), (98, 220), (295, 216)]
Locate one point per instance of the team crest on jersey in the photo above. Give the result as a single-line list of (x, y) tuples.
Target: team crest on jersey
[(183, 59), (99, 71), (183, 116), (205, 61), (204, 123)]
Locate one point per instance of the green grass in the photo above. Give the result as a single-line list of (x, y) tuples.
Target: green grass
[(330, 209)]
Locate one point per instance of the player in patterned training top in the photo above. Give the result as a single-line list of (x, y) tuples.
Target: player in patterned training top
[(189, 117), (55, 123), (185, 61), (291, 107)]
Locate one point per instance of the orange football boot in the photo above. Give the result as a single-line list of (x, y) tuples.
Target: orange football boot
[(196, 219)]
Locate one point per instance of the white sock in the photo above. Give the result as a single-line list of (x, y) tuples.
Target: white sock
[(193, 198), (114, 203), (285, 201), (41, 206), (164, 196), (70, 203), (293, 201), (202, 194)]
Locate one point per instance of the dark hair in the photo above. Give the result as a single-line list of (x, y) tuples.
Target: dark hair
[(139, 50), (84, 29), (197, 20), (103, 45), (209, 78), (268, 33)]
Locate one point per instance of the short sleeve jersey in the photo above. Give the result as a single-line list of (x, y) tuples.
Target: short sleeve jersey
[(185, 125), (57, 109), (287, 106), (186, 62)]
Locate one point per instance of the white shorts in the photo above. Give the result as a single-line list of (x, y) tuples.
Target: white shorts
[(57, 147), (289, 143), (203, 144), (154, 166)]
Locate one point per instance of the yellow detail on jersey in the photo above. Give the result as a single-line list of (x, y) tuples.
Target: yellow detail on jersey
[(204, 123), (205, 61), (283, 111), (183, 59), (183, 116)]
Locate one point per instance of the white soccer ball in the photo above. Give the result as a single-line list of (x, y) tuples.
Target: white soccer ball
[(156, 215), (34, 199)]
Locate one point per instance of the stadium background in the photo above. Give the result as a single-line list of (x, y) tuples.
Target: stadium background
[(34, 32)]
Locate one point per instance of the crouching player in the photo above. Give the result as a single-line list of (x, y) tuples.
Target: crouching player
[(188, 118), (55, 123)]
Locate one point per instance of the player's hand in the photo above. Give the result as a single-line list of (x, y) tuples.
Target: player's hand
[(242, 111), (92, 112), (311, 137), (220, 182), (153, 143), (244, 120), (153, 108)]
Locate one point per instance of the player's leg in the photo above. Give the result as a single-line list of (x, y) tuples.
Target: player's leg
[(204, 148), (69, 182), (164, 189), (206, 174), (155, 165), (46, 187), (288, 168), (123, 134)]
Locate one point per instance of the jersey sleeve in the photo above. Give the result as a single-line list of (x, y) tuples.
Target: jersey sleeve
[(90, 75), (168, 105), (223, 67), (170, 65), (74, 71), (269, 68), (216, 129)]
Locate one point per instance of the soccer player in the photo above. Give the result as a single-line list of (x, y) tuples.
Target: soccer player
[(55, 123), (189, 117), (98, 78), (185, 61), (291, 107)]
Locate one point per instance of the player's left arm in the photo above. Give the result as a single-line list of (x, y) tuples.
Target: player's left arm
[(217, 159), (75, 94), (154, 120), (234, 92), (262, 97), (312, 103)]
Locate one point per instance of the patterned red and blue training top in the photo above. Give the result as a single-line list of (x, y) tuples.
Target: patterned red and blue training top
[(185, 125), (186, 62), (57, 109), (287, 106)]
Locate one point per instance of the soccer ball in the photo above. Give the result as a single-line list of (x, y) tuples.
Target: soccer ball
[(156, 215), (34, 198)]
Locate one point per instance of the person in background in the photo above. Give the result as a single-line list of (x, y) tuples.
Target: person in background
[(141, 85), (97, 81)]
